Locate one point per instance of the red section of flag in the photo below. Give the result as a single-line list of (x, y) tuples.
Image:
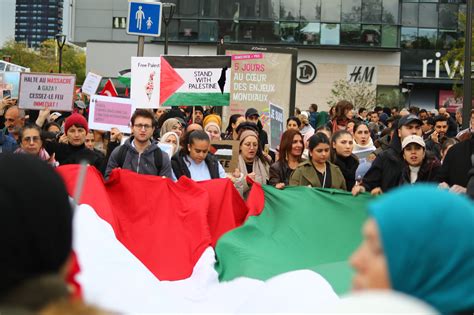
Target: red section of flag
[(109, 89), (166, 225), (170, 81), (256, 199)]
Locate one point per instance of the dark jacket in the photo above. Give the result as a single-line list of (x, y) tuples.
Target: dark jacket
[(348, 166), (178, 164), (386, 169), (457, 164), (429, 171), (68, 154), (143, 163), (433, 147), (280, 172), (7, 143), (305, 175)]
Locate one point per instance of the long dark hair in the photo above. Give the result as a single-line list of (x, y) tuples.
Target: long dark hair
[(232, 120), (334, 138), (287, 142), (316, 139)]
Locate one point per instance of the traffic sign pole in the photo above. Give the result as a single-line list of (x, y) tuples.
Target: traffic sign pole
[(141, 46)]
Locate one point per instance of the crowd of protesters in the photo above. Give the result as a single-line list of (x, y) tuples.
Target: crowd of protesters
[(357, 151)]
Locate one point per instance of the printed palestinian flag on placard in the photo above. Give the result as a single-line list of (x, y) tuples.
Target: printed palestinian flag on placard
[(195, 80), (145, 244)]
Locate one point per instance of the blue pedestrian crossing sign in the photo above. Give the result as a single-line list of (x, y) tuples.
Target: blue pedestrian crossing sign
[(144, 18)]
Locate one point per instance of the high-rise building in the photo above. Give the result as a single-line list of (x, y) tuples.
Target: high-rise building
[(38, 20)]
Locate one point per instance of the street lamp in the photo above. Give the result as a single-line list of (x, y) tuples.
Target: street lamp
[(60, 40), (167, 16)]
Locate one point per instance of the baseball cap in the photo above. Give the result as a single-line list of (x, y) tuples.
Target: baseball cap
[(251, 112), (408, 119), (413, 139)]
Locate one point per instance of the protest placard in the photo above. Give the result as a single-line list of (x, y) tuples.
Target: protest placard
[(91, 83), (46, 90), (227, 152), (145, 82), (195, 80), (9, 82), (276, 125), (107, 112)]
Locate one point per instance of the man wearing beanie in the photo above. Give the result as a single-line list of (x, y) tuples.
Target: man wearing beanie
[(71, 148)]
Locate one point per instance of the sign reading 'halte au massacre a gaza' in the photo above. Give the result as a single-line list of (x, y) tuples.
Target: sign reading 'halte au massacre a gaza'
[(44, 90)]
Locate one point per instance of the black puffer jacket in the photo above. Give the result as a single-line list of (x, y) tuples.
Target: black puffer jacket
[(348, 166), (457, 163), (68, 154), (386, 169)]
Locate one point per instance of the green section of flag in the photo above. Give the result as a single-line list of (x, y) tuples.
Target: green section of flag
[(299, 228), (125, 81), (198, 99)]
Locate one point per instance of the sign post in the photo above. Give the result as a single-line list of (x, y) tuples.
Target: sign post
[(144, 19)]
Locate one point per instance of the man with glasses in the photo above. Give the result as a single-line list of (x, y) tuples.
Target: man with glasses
[(140, 153)]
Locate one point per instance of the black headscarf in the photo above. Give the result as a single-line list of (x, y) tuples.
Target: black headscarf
[(35, 220)]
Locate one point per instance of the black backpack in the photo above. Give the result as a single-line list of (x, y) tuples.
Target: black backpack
[(122, 153)]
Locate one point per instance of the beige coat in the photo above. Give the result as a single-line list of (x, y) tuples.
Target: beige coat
[(305, 175)]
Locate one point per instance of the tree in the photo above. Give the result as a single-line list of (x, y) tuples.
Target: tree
[(45, 58), (361, 95), (457, 54), (392, 98)]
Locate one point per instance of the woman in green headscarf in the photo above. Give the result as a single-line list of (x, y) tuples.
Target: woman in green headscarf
[(419, 241)]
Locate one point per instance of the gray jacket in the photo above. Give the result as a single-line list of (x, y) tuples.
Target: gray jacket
[(140, 163)]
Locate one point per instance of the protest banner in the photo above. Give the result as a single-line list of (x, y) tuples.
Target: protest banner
[(227, 152), (46, 90), (276, 125), (91, 83), (9, 82), (195, 80), (261, 75), (145, 82), (107, 112)]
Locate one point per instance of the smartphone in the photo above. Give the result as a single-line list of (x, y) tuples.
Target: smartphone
[(7, 93)]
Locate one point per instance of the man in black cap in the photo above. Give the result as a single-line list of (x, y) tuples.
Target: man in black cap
[(386, 169), (251, 115)]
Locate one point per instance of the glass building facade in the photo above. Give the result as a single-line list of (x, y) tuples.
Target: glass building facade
[(38, 20)]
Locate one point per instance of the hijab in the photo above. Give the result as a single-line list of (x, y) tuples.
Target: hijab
[(168, 126), (427, 237)]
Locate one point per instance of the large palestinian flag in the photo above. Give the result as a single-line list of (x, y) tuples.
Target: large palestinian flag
[(195, 80), (146, 244)]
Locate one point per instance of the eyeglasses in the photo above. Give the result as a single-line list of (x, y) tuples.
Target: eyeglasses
[(249, 145), (142, 126), (29, 139)]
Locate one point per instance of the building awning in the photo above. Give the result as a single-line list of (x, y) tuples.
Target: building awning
[(430, 81)]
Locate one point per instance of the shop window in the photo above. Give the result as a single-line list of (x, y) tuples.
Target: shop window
[(238, 9), (268, 32), (209, 8), (208, 31), (371, 35), (410, 14), (428, 15), (310, 33), (390, 11), (188, 30), (329, 34), (389, 36), (311, 10), (229, 30), (371, 11), (290, 11), (426, 39), (448, 18), (446, 39), (351, 11), (350, 34), (331, 11), (289, 32), (270, 10), (408, 37), (248, 32), (188, 8)]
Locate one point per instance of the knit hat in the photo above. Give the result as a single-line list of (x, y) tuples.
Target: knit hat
[(212, 118), (211, 123), (76, 120), (247, 133)]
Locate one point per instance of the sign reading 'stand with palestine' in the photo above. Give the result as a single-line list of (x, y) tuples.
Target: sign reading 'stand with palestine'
[(45, 90), (195, 80)]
